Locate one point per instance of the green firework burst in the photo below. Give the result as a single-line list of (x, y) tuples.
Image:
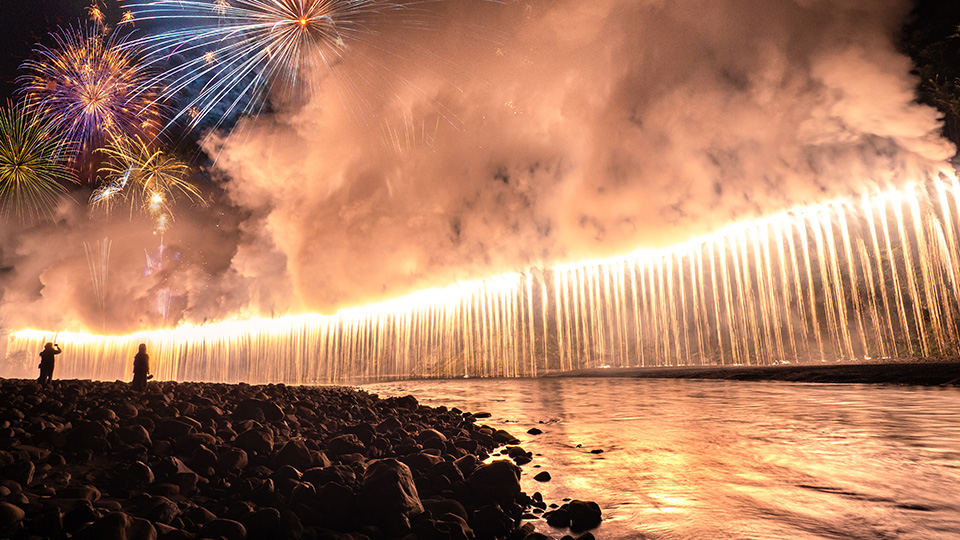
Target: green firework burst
[(33, 165)]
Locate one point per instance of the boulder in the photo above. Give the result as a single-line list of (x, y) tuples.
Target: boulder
[(227, 529), (139, 475), (294, 453), (439, 507), (170, 466), (388, 494), (262, 524), (337, 502), (583, 514), (103, 413), (491, 520), (167, 532), (119, 526), (429, 435), (198, 515), (203, 459), (407, 402), (135, 434), (448, 470), (77, 513), (496, 482), (286, 472), (467, 464), (48, 523), (126, 410), (22, 472), (255, 441), (504, 437), (187, 482), (345, 444), (232, 459), (558, 518), (86, 492), (187, 444), (164, 489), (421, 462), (160, 510), (10, 514), (88, 435), (454, 527), (259, 410), (173, 428), (321, 476), (542, 476), (290, 526)]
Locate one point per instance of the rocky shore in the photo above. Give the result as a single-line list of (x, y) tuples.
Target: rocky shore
[(99, 461)]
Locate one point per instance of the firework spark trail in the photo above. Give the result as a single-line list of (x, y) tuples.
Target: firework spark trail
[(33, 164), (98, 262), (95, 13), (478, 328), (243, 51), (111, 192), (150, 179), (92, 87)]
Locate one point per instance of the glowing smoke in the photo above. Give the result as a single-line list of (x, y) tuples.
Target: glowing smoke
[(536, 132)]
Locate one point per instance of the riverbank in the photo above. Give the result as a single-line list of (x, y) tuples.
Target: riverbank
[(919, 373), (670, 459), (96, 460)]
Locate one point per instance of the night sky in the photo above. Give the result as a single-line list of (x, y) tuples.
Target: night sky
[(27, 23)]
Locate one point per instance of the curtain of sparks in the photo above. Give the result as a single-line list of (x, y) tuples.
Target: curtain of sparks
[(851, 280)]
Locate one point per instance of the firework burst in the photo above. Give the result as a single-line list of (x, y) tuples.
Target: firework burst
[(148, 179), (240, 52), (33, 164), (92, 87)]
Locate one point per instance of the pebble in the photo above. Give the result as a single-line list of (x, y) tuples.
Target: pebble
[(496, 482), (543, 476), (226, 529), (185, 461), (10, 514)]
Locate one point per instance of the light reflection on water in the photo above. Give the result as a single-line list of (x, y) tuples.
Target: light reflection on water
[(691, 459)]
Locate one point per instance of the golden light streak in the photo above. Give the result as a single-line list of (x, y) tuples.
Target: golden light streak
[(95, 13), (152, 180), (768, 291)]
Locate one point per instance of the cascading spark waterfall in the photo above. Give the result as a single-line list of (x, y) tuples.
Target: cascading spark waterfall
[(846, 280)]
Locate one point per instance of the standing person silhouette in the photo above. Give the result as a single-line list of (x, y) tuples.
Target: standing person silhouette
[(141, 368), (47, 361)]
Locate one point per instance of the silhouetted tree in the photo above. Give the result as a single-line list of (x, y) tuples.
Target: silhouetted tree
[(931, 36)]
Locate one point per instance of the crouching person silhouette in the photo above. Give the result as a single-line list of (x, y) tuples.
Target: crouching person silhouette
[(47, 361), (141, 368)]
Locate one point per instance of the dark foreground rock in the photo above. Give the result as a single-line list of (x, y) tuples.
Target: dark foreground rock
[(89, 460)]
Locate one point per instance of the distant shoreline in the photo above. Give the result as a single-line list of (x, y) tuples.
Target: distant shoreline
[(919, 373)]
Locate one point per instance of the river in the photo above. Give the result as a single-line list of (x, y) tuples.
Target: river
[(692, 459)]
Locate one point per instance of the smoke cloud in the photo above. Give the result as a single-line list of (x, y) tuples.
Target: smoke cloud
[(503, 136)]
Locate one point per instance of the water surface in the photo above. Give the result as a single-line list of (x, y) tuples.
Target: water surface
[(690, 459)]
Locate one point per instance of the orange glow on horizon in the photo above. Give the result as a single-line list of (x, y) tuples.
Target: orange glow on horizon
[(450, 296)]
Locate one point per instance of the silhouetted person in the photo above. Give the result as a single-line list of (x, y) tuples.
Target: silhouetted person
[(141, 368), (47, 361)]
